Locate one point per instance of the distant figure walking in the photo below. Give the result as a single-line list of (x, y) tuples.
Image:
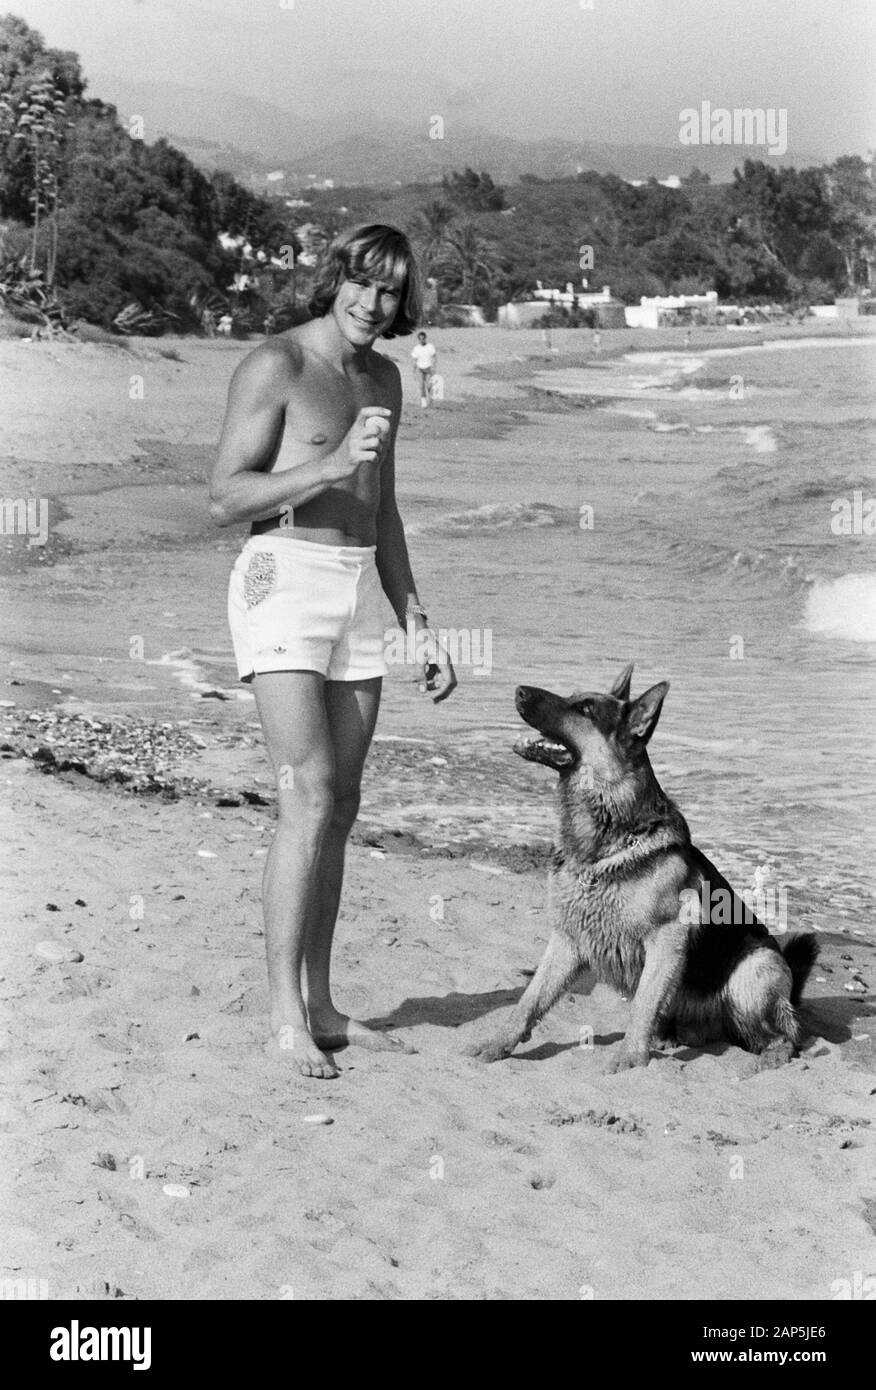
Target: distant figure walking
[(425, 356), (224, 325)]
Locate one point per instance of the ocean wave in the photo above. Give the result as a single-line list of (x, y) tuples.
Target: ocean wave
[(187, 668), (670, 356), (706, 557), (673, 362), (633, 412), (844, 608), (821, 489), (492, 518)]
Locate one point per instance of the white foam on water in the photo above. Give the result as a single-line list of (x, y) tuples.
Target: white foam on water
[(701, 393), (616, 383), (768, 345), (186, 670), (489, 518), (675, 363), (633, 412), (760, 437), (667, 369), (844, 608), (402, 738)]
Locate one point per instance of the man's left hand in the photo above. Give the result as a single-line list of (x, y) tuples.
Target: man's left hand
[(436, 676)]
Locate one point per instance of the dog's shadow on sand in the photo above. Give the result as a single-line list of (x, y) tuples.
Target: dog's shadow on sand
[(833, 1016), (456, 1010), (447, 1010), (831, 1019), (544, 1051)]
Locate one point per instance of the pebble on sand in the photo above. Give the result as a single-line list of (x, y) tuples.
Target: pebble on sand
[(317, 1119), (175, 1189), (58, 953)]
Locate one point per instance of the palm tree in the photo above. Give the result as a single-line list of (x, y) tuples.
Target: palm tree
[(473, 257), (430, 227)]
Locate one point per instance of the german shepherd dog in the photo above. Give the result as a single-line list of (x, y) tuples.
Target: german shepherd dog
[(632, 897)]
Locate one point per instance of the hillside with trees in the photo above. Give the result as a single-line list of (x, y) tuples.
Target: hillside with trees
[(97, 224), (772, 235)]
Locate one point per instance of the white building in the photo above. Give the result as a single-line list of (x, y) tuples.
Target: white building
[(664, 310), (523, 314), (571, 297), (673, 181), (840, 309)]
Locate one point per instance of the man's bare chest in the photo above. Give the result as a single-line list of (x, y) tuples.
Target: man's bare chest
[(320, 410)]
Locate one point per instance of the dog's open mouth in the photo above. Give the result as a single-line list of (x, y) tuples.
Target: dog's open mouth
[(544, 750)]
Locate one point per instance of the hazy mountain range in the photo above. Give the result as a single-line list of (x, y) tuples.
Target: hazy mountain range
[(252, 138)]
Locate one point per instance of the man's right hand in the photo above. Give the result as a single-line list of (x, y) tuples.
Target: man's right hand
[(365, 440)]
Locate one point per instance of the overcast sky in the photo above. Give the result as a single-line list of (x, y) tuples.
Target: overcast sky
[(620, 72)]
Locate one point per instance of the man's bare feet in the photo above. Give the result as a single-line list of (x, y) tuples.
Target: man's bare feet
[(294, 1044), (332, 1030)]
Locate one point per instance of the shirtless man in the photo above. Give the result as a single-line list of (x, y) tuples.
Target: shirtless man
[(307, 457)]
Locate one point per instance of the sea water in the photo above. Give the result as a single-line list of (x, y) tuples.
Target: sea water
[(680, 518)]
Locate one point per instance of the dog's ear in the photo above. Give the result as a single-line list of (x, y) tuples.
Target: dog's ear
[(644, 712), (621, 688)]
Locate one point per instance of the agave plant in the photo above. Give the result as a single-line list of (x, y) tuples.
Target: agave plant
[(207, 305), (39, 122), (136, 318), (24, 292)]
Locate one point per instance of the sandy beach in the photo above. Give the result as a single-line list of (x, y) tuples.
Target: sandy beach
[(152, 1149)]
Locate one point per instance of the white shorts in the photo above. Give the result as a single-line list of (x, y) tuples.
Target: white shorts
[(297, 605)]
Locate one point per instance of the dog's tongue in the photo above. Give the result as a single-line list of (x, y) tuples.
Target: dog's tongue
[(543, 750)]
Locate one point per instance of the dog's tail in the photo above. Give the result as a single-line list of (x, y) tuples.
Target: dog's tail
[(800, 952)]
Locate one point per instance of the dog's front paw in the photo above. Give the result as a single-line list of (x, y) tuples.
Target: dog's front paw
[(776, 1054), (625, 1058), (492, 1049)]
